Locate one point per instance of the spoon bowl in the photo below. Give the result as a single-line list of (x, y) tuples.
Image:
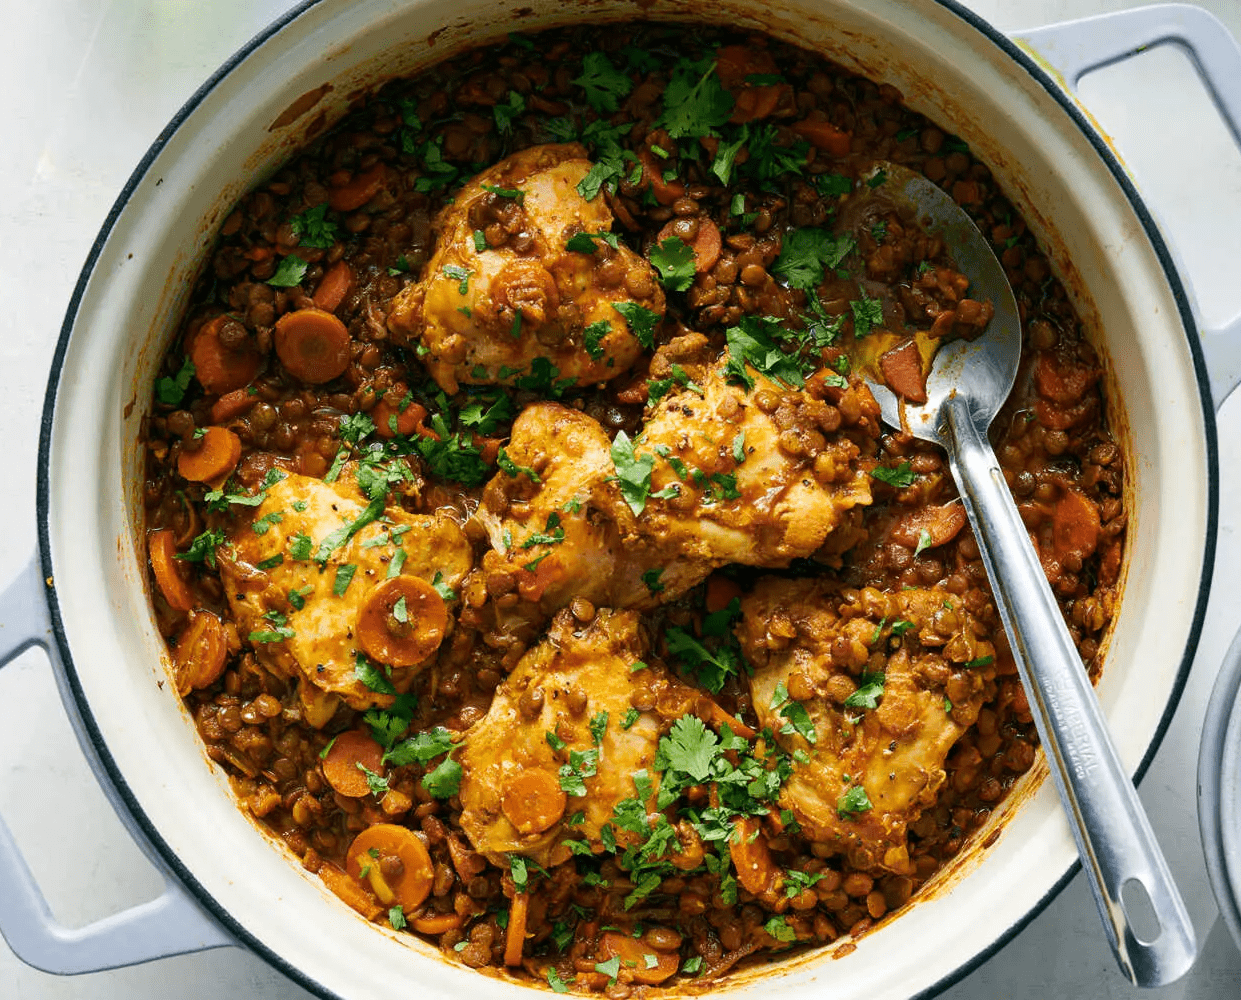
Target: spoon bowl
[(1142, 911)]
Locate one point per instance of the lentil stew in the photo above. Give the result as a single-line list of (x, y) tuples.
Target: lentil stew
[(529, 548)]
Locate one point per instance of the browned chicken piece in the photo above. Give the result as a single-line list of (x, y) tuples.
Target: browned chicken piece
[(503, 291), (569, 534), (869, 692), (555, 742), (757, 475), (572, 533), (281, 575)]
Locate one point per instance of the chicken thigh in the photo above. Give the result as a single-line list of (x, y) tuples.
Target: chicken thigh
[(291, 592), (503, 298), (869, 692)]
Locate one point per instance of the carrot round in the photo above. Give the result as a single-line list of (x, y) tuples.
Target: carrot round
[(313, 345), (720, 592), (407, 421), (162, 549), (1075, 526), (350, 892), (218, 453), (756, 870), (436, 923), (518, 916), (231, 405), (941, 523), (1061, 380), (754, 103), (665, 192), (396, 864), (360, 189), (220, 369), (637, 956), (340, 766), (402, 622), (706, 245), (201, 653), (533, 800), (902, 371), (333, 287), (825, 136)]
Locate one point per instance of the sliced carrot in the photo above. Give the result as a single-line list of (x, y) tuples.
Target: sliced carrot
[(359, 189), (733, 63), (637, 957), (706, 245), (753, 103), (407, 884), (941, 523), (665, 192), (218, 453), (313, 345), (436, 923), (349, 891), (220, 369), (717, 717), (756, 870), (232, 405), (1075, 526), (162, 549), (488, 447), (391, 420), (334, 286), (402, 622), (201, 653), (721, 590), (1063, 418), (533, 800), (518, 916), (340, 766), (902, 371), (825, 136), (1062, 380)]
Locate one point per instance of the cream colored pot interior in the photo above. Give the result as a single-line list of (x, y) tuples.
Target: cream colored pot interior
[(946, 69)]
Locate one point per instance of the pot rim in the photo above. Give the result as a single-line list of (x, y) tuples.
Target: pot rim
[(89, 731)]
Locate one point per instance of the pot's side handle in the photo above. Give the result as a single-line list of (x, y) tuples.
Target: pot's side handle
[(172, 924), (1071, 49)]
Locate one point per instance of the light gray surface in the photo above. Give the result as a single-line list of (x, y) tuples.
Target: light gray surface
[(88, 84)]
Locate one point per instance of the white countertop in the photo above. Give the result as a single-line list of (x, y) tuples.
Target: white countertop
[(87, 86)]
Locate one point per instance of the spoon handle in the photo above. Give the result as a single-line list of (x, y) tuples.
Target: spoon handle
[(1114, 837)]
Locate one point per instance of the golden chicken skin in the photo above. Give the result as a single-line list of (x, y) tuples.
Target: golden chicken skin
[(564, 743), (868, 691), (306, 574), (527, 281)]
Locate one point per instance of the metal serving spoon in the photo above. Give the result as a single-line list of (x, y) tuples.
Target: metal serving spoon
[(968, 384)]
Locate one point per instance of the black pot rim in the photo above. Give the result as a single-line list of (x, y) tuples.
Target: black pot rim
[(93, 737)]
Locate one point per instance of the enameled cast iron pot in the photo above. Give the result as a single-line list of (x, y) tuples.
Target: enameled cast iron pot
[(85, 595)]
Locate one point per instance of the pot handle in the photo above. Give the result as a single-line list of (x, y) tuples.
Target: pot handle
[(171, 924), (1071, 49)]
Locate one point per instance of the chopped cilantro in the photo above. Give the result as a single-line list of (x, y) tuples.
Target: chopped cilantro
[(459, 274), (442, 588), (342, 534), (170, 391), (557, 984), (297, 597), (629, 718), (445, 781), (779, 929), (652, 581), (604, 83), (480, 241), (289, 273), (867, 314), (868, 692), (371, 676), (924, 541), (396, 918), (807, 252), (689, 748), (610, 968), (854, 801), (751, 343), (420, 749), (901, 476), (300, 546), (513, 193), (585, 242), (981, 661), (506, 464), (202, 548), (695, 101), (674, 259), (313, 229), (830, 185), (598, 726), (739, 447), (641, 321), (633, 473), (504, 115), (592, 337), (582, 764)]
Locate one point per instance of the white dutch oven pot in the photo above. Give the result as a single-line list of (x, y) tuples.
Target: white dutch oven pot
[(226, 883)]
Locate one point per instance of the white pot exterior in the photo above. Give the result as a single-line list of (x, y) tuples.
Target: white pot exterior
[(91, 508)]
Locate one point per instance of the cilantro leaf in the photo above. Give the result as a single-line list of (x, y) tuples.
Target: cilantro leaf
[(372, 676), (582, 764), (689, 748), (604, 83), (867, 314), (751, 343), (633, 473), (641, 321), (202, 548), (806, 253), (420, 749), (342, 534), (674, 259), (901, 476), (289, 273), (585, 242), (170, 391), (854, 801), (313, 229), (592, 337), (504, 115), (445, 781), (695, 101), (868, 692)]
